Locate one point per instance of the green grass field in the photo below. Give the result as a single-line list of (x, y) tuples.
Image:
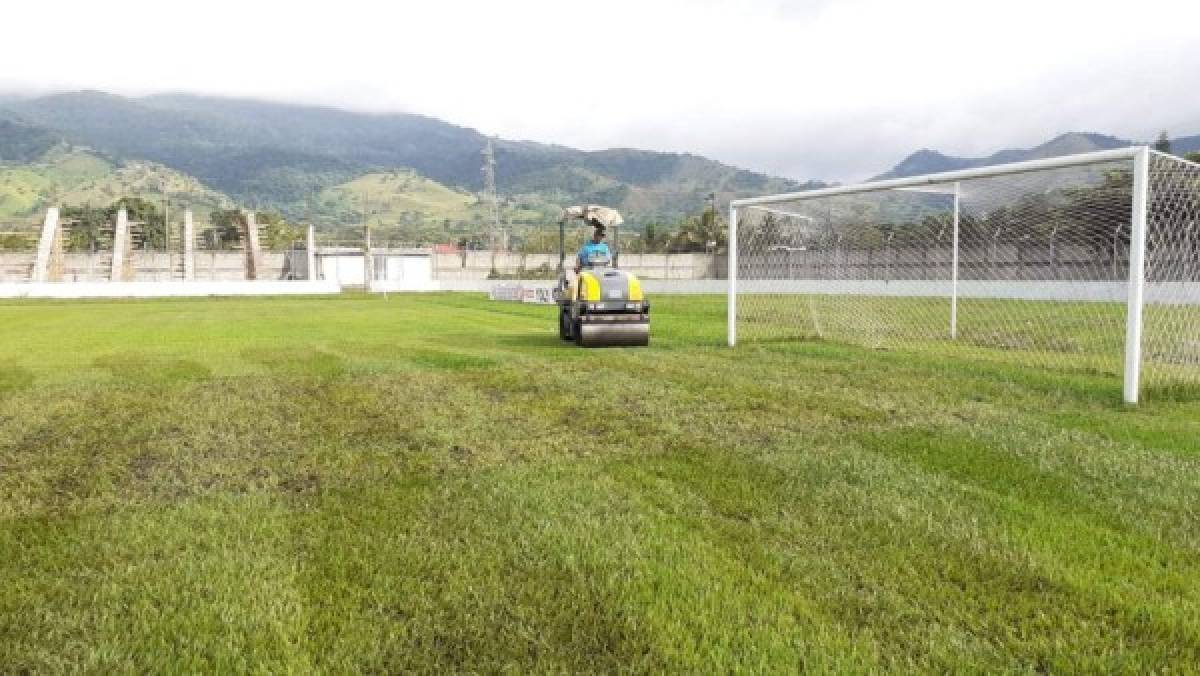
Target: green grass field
[(437, 483)]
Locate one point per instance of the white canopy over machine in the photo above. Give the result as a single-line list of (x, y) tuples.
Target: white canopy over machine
[(595, 215)]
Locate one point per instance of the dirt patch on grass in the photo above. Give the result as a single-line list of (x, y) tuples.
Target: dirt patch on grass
[(142, 465), (143, 368), (301, 484), (451, 361), (298, 362), (14, 378)]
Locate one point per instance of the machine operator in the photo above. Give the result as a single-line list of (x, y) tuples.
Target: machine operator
[(596, 247)]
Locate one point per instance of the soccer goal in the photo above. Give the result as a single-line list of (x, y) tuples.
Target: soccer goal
[(1087, 262)]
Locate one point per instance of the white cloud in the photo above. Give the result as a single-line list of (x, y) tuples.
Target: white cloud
[(828, 89)]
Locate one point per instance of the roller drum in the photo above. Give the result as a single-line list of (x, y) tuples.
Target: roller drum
[(614, 334)]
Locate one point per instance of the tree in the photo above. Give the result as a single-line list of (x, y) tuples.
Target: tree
[(1193, 157), (88, 224), (154, 224), (275, 233), (654, 240), (1163, 144), (17, 242), (226, 229), (696, 234)]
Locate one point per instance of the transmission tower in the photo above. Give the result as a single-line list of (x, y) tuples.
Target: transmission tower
[(489, 194)]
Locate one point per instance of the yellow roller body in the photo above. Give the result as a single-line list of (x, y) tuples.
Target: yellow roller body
[(589, 287), (635, 288)]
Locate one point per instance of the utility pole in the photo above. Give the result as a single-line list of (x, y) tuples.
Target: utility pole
[(167, 228), (489, 194), (368, 268), (712, 197), (311, 244)]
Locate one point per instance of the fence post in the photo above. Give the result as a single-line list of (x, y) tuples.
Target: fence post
[(189, 247), (731, 303), (954, 267), (1137, 275), (1054, 253), (310, 252)]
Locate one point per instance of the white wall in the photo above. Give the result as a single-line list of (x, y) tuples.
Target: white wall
[(1167, 293), (478, 264), (165, 289), (416, 269), (347, 270), (399, 270)]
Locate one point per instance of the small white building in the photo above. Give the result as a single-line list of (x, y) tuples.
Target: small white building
[(392, 269)]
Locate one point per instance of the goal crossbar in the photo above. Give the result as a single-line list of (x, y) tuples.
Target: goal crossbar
[(1080, 159)]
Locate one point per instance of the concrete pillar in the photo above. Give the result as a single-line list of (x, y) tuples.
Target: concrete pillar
[(189, 247), (41, 268), (368, 261), (120, 246), (253, 252), (311, 250)]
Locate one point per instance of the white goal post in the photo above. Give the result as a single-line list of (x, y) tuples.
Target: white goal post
[(1087, 262)]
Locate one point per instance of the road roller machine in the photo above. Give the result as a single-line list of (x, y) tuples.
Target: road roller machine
[(599, 305)]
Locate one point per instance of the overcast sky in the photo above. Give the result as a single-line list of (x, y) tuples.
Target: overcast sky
[(831, 90)]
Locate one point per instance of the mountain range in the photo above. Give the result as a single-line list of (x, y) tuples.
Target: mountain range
[(280, 156), (926, 161), (333, 165)]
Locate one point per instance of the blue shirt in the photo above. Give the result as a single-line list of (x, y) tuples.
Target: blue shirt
[(591, 249)]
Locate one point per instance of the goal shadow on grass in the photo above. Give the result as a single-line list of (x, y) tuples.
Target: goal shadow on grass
[(1082, 382), (1172, 392)]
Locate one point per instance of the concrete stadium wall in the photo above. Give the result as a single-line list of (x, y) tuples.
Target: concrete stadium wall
[(223, 265), (155, 266), (1166, 293), (1170, 293), (486, 285), (1001, 261), (17, 266), (166, 289), (478, 265)]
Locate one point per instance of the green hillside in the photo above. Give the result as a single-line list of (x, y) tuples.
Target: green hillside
[(403, 206), (26, 189), (151, 182), (74, 177)]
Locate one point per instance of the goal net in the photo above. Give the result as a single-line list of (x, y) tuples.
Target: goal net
[(1089, 263)]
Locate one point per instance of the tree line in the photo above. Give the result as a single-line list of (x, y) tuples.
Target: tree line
[(697, 233)]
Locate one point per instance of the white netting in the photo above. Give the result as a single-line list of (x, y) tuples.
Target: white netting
[(1042, 268), (1171, 335)]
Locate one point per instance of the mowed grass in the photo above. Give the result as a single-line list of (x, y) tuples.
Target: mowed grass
[(435, 482)]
